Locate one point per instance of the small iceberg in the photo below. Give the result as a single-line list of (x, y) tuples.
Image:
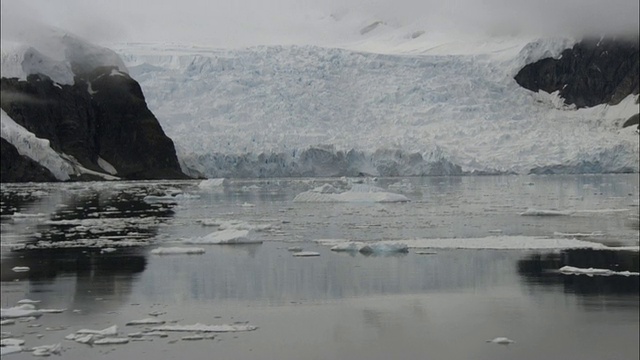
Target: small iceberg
[(227, 237), (177, 251), (212, 184), (20, 268)]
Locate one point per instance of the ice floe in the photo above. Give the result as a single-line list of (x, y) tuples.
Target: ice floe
[(306, 254), (226, 237), (46, 350), (570, 270), (111, 341), (177, 251), (20, 268), (539, 212), (146, 321), (11, 342), (358, 193), (28, 301), (518, 242), (206, 328), (371, 248), (110, 331), (6, 350), (22, 311), (501, 341)]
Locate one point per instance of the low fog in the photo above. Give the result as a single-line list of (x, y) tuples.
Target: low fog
[(253, 22)]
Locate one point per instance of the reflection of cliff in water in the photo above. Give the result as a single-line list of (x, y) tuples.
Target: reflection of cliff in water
[(98, 215), (542, 270)]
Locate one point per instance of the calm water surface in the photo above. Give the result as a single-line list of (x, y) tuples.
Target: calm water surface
[(335, 306)]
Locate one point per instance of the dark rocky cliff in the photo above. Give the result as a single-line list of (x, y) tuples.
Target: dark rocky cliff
[(19, 168), (103, 114), (593, 72)]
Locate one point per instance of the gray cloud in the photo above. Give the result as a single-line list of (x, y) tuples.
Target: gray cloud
[(269, 21)]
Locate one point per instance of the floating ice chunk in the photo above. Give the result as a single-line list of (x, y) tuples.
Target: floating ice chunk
[(211, 184), (147, 321), (371, 248), (294, 249), (23, 215), (206, 328), (21, 311), (81, 338), (537, 212), (358, 193), (226, 237), (192, 337), (11, 342), (306, 254), (7, 322), (247, 205), (177, 251), (111, 341), (28, 301), (52, 311), (20, 268), (155, 333), (6, 350), (110, 331), (107, 250), (570, 270), (46, 350), (501, 341)]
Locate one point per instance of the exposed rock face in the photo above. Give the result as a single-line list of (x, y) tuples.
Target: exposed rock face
[(19, 168), (593, 72), (102, 115)]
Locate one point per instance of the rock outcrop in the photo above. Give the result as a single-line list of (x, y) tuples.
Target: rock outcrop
[(593, 72), (102, 117)]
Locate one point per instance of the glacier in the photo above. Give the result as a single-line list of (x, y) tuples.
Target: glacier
[(387, 104), (425, 107)]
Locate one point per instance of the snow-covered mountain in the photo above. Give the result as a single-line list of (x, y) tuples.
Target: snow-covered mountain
[(418, 104)]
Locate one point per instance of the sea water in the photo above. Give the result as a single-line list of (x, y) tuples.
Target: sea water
[(88, 249)]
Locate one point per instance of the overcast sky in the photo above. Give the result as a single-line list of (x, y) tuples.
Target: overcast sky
[(271, 21)]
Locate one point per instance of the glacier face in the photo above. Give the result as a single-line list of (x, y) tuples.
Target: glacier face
[(314, 111)]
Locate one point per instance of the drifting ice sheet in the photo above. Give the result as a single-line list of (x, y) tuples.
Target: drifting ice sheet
[(509, 243), (570, 270), (205, 328)]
